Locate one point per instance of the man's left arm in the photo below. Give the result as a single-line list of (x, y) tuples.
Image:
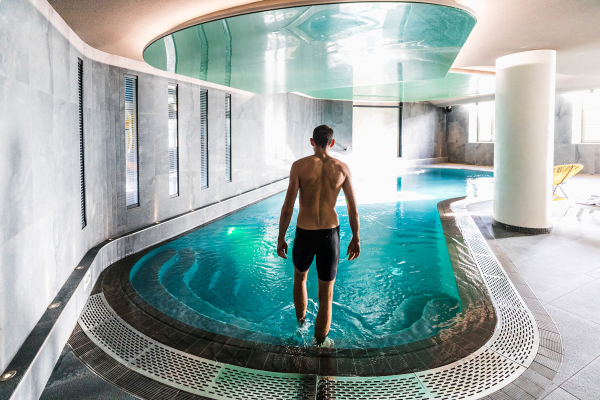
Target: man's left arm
[(287, 211)]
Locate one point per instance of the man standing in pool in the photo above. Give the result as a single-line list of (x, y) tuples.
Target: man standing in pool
[(319, 178)]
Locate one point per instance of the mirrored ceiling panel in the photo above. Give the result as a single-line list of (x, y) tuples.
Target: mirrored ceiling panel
[(329, 49)]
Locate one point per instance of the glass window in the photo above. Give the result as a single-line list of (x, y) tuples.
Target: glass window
[(481, 122), (173, 141), (81, 149), (131, 143), (485, 121), (204, 138), (590, 132)]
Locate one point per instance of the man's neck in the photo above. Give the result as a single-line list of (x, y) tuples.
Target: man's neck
[(322, 153)]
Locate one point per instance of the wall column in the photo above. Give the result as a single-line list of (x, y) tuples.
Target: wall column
[(524, 143)]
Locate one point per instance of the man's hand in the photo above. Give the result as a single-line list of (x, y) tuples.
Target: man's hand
[(282, 248), (353, 249)]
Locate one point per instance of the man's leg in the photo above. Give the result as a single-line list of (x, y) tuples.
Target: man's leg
[(300, 296), (323, 321)]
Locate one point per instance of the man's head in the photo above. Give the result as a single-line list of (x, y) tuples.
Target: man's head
[(323, 137)]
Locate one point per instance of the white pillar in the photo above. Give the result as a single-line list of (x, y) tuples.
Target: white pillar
[(524, 141)]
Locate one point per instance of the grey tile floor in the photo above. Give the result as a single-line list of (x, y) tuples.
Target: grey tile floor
[(563, 270), (72, 380)]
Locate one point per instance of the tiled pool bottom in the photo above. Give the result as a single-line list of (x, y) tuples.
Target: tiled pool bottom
[(328, 368)]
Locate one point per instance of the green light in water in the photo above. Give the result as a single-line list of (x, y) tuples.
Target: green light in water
[(230, 230)]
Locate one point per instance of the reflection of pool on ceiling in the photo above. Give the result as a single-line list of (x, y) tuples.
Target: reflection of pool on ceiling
[(326, 50)]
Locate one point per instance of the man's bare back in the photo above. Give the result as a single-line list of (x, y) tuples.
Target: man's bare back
[(319, 179)]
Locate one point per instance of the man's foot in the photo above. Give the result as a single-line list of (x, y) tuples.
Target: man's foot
[(296, 338), (324, 342)]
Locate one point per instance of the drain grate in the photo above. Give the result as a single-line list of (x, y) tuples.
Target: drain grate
[(184, 371), (516, 336), (477, 376), (143, 354), (503, 359), (190, 373), (403, 387), (243, 384)]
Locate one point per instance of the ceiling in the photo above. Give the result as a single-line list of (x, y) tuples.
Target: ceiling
[(313, 49), (126, 27)]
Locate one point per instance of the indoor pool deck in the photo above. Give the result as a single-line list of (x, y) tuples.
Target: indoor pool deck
[(579, 241), (560, 269)]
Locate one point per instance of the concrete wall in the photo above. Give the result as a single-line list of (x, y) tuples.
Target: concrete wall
[(41, 240), (423, 131), (459, 149), (565, 151), (338, 115)]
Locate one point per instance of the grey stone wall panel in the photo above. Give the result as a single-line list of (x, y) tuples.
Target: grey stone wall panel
[(423, 131), (565, 151)]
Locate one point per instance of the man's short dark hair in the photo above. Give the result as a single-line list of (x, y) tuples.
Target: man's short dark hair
[(323, 135)]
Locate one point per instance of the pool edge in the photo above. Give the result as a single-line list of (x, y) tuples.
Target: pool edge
[(530, 379)]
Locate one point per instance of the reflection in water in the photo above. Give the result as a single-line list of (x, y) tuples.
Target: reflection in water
[(226, 276)]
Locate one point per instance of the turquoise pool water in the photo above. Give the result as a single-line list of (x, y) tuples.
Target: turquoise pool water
[(226, 277)]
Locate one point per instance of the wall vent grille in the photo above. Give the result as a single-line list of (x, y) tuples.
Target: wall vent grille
[(228, 138), (131, 143), (173, 140), (81, 144), (204, 138)]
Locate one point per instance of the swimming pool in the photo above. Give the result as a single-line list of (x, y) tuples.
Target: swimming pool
[(226, 277)]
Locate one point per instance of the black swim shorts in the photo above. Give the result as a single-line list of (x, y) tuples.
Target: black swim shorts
[(325, 244)]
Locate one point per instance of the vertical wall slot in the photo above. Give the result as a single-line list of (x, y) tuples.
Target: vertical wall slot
[(204, 138), (81, 143), (400, 131), (173, 141), (228, 137), (131, 143)]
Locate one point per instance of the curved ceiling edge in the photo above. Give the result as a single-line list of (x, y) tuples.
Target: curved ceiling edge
[(270, 5), (349, 50)]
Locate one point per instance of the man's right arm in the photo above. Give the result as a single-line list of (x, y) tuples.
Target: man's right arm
[(287, 210), (354, 246)]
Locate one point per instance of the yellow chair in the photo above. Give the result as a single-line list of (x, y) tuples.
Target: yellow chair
[(561, 174)]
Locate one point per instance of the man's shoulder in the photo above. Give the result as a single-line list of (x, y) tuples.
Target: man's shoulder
[(341, 164), (309, 161), (303, 161)]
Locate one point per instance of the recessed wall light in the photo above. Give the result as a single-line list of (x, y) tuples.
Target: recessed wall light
[(54, 305), (8, 375)]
